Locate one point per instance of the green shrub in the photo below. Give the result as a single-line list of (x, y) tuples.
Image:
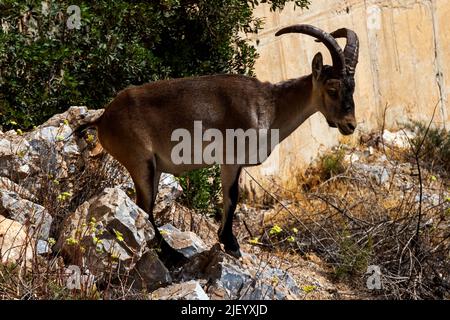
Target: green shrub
[(353, 258), (202, 189), (434, 144), (332, 164)]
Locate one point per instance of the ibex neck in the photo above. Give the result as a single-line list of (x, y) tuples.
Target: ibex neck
[(293, 104)]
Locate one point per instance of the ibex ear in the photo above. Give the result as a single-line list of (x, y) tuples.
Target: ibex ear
[(317, 65)]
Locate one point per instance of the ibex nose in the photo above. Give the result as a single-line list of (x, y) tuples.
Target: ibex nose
[(347, 128), (351, 126)]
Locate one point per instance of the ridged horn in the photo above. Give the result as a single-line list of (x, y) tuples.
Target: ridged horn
[(328, 40), (351, 50)]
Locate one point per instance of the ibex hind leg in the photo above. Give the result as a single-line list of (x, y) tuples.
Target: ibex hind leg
[(146, 183), (230, 189)]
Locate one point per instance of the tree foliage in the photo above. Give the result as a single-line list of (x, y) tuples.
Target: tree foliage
[(45, 67)]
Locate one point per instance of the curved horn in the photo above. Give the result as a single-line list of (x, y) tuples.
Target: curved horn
[(351, 50), (336, 52)]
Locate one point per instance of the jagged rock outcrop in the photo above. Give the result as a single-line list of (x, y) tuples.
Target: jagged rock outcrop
[(34, 216), (49, 150), (111, 232)]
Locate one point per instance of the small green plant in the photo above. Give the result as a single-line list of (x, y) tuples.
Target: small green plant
[(353, 258), (275, 230), (72, 241), (332, 164), (51, 241), (21, 154), (201, 189), (434, 144), (275, 281), (96, 240), (64, 196), (90, 138), (254, 241), (309, 288), (115, 256), (119, 235)]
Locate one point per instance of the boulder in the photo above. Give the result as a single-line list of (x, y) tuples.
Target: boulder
[(43, 247), (150, 273), (187, 243), (16, 247), (254, 282), (110, 232), (13, 150), (190, 290), (34, 216), (8, 185), (110, 223), (169, 190)]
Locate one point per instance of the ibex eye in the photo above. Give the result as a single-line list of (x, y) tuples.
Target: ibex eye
[(333, 93)]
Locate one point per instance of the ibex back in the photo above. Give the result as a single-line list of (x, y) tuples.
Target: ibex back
[(137, 126)]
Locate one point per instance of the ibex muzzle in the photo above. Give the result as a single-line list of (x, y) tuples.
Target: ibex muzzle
[(137, 125)]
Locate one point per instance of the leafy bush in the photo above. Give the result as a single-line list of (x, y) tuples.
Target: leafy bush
[(353, 258), (332, 164), (433, 145), (329, 165), (202, 189), (45, 66)]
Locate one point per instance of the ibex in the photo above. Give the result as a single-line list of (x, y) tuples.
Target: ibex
[(137, 126)]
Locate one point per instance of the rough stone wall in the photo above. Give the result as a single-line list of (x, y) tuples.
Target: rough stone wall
[(403, 71)]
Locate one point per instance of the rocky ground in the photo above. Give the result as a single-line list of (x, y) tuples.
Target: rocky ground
[(67, 217)]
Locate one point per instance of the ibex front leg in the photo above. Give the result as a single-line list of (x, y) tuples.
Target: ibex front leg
[(230, 189)]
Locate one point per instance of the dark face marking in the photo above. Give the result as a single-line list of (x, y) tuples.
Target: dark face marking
[(337, 96)]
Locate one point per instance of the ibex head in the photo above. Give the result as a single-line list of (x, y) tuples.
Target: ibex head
[(333, 86)]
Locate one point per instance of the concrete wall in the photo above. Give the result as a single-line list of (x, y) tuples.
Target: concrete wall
[(404, 68)]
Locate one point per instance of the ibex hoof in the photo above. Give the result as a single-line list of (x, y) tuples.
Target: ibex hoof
[(233, 250), (234, 253), (231, 245)]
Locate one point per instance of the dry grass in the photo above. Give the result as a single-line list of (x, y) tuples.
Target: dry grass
[(353, 221)]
